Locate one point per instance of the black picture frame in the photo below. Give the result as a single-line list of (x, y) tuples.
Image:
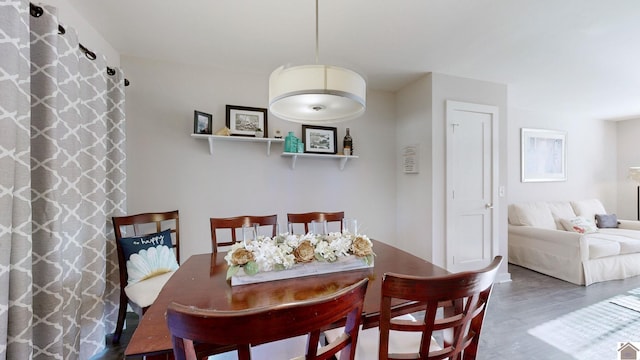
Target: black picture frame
[(202, 122), (320, 139), (244, 120)]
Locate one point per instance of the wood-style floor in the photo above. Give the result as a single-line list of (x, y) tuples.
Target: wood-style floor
[(530, 299)]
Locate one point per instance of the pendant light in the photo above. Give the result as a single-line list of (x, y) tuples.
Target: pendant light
[(316, 94)]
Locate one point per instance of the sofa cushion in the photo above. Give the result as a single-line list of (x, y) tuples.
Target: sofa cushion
[(512, 215), (532, 214), (627, 233), (588, 208), (628, 240), (629, 246), (599, 248), (606, 221), (561, 210), (579, 224)]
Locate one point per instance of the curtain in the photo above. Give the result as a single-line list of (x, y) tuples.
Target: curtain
[(62, 175)]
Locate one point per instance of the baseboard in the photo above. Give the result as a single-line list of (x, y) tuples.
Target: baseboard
[(503, 277)]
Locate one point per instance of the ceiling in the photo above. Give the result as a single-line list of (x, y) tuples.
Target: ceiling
[(578, 57)]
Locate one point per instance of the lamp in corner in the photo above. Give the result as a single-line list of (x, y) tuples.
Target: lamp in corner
[(634, 174), (317, 94)]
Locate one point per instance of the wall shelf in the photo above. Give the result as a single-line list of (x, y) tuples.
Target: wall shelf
[(342, 158), (213, 138)]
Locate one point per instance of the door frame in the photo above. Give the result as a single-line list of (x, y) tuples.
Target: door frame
[(452, 106)]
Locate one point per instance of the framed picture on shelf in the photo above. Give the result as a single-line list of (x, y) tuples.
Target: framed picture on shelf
[(202, 122), (544, 155), (319, 139), (245, 121)]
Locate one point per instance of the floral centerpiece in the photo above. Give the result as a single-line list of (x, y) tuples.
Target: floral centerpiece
[(285, 251)]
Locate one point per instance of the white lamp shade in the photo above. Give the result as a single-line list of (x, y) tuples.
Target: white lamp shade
[(316, 94), (634, 173)]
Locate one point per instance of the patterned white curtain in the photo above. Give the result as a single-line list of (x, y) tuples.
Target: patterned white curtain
[(61, 178)]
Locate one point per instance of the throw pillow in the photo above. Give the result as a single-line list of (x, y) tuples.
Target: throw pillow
[(579, 224), (606, 221), (148, 256)]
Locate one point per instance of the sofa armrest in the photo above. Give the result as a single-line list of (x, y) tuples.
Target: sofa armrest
[(629, 224), (568, 238), (566, 244)]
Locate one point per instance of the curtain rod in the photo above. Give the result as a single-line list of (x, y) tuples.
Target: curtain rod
[(37, 11)]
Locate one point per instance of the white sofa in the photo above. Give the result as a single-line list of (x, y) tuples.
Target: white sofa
[(538, 241)]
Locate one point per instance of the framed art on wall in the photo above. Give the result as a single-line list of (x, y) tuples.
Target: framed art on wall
[(319, 139), (543, 155), (244, 121), (202, 122)]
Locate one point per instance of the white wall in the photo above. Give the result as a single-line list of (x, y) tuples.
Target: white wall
[(87, 34), (414, 195), (628, 154), (392, 206), (168, 169), (446, 87), (421, 197), (591, 159)]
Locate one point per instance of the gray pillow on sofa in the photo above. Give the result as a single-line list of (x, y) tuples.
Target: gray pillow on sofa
[(606, 221)]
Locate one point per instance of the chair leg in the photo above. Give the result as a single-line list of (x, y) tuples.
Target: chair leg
[(122, 312), (244, 352)]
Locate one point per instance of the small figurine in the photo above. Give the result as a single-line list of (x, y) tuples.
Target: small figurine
[(225, 131)]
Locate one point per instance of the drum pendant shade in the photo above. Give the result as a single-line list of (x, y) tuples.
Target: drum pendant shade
[(316, 93)]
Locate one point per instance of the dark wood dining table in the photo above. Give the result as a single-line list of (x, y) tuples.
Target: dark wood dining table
[(201, 282)]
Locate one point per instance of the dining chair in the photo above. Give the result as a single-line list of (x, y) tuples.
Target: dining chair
[(453, 309), (245, 328), (136, 233), (232, 224), (307, 218)]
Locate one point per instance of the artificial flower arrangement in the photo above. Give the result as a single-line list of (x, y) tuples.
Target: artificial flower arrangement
[(283, 251)]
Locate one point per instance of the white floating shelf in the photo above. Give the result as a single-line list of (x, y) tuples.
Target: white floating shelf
[(342, 158), (213, 138)]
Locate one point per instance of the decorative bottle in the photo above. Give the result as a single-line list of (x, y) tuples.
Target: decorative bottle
[(347, 144), (290, 143)]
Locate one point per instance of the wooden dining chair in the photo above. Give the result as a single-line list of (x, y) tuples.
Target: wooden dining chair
[(244, 328), (453, 309), (232, 224), (128, 232), (307, 218)]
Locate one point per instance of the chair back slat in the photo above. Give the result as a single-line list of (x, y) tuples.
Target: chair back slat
[(307, 218), (140, 224), (453, 304), (232, 224), (245, 328)]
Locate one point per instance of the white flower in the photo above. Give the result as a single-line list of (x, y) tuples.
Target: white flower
[(292, 241), (324, 250), (311, 237), (278, 253), (269, 253), (151, 262), (341, 246)]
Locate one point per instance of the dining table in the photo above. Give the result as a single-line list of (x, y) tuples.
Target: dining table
[(201, 281)]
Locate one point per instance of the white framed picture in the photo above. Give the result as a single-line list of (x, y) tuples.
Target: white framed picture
[(543, 155)]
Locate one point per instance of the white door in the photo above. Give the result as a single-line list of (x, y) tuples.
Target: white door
[(471, 178)]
